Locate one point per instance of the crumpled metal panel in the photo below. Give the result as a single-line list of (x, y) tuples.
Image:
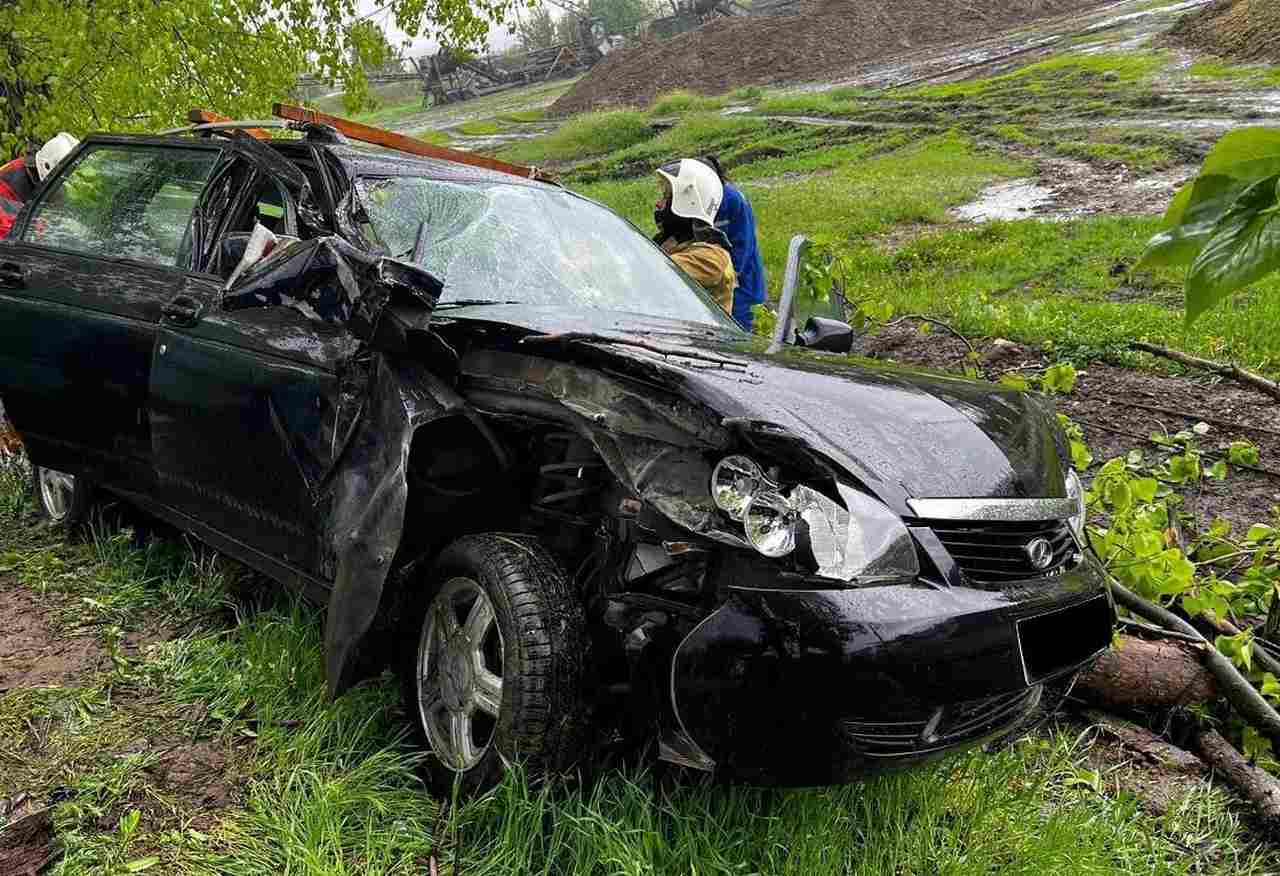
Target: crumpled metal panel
[(329, 280), (367, 496), (657, 444)]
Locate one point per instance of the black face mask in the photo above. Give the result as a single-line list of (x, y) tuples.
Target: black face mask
[(672, 225)]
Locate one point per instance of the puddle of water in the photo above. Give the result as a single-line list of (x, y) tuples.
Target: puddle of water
[(1007, 201), (1119, 20)]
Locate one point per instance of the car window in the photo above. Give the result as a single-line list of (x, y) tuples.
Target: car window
[(131, 202), (532, 245)]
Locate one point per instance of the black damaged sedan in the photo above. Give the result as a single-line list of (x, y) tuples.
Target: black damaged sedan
[(511, 448)]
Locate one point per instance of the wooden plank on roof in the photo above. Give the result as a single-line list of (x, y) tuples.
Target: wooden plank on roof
[(400, 142)]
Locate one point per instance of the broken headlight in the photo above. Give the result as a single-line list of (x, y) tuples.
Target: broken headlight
[(863, 539), (735, 481)]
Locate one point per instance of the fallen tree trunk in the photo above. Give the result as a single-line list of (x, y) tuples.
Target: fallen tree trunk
[(1254, 784), (1233, 686), (1235, 372), (1141, 674)]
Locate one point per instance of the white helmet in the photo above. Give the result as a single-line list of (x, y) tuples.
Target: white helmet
[(54, 151), (696, 190)]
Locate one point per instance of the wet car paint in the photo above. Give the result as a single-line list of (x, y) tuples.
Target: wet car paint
[(829, 657), (281, 431), (903, 432)]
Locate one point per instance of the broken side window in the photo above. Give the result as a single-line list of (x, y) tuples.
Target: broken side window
[(132, 202)]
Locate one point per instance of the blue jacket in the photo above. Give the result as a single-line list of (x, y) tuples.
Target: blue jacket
[(738, 222)]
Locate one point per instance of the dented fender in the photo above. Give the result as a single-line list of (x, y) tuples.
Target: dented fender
[(367, 493)]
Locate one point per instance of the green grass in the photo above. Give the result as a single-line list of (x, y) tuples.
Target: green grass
[(679, 102), (324, 787), (434, 136), (524, 116), (1257, 75), (389, 114), (864, 193), (746, 94), (1053, 282), (584, 136), (1072, 85), (479, 128)]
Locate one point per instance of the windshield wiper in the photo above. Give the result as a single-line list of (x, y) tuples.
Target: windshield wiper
[(472, 302)]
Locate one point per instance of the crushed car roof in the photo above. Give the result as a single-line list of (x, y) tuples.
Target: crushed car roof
[(360, 159)]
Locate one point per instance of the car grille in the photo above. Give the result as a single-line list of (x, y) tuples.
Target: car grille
[(942, 727), (996, 553)]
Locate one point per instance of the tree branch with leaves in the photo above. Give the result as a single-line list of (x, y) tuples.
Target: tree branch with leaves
[(127, 65)]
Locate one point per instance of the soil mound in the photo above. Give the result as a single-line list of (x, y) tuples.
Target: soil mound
[(1246, 30), (819, 38)]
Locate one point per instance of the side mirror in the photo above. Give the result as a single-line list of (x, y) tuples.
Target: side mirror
[(824, 320), (829, 335)]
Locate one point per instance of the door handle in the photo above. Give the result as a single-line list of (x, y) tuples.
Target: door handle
[(13, 276), (182, 310)]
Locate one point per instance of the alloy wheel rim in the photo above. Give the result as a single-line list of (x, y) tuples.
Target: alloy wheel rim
[(57, 489), (459, 668)]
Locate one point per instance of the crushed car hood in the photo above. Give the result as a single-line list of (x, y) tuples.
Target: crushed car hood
[(903, 433)]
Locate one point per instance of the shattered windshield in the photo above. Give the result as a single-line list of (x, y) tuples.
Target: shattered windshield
[(531, 245)]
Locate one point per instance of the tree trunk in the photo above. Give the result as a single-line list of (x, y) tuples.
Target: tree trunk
[(1144, 674)]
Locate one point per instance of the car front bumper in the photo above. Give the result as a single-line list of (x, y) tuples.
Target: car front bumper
[(811, 687)]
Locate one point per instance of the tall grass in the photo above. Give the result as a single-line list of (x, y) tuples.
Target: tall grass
[(331, 787), (680, 101), (583, 136)]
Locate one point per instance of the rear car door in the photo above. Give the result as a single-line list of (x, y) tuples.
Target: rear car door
[(105, 245)]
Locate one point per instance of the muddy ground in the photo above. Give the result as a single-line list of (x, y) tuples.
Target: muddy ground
[(823, 38), (188, 771), (1118, 408), (1241, 29)]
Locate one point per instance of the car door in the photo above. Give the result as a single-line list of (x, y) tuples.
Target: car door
[(84, 280), (247, 405)]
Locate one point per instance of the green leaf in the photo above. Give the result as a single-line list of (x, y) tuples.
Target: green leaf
[(1144, 489), (1183, 468), (1060, 378), (1119, 497), (137, 865), (129, 822), (1218, 471), (1243, 453), (1238, 149), (1081, 458), (1014, 381), (1244, 248), (1191, 219), (1259, 532)]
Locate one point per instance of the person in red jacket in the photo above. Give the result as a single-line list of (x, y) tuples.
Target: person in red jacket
[(20, 177)]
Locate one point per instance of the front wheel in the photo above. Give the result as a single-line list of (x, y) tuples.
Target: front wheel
[(63, 499), (492, 662)]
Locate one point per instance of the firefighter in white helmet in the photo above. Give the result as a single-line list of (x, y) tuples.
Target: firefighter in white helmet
[(685, 215), (19, 178)]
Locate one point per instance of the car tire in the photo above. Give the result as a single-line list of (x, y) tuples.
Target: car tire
[(493, 607), (62, 499)]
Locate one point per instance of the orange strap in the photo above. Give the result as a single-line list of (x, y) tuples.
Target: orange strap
[(204, 117)]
